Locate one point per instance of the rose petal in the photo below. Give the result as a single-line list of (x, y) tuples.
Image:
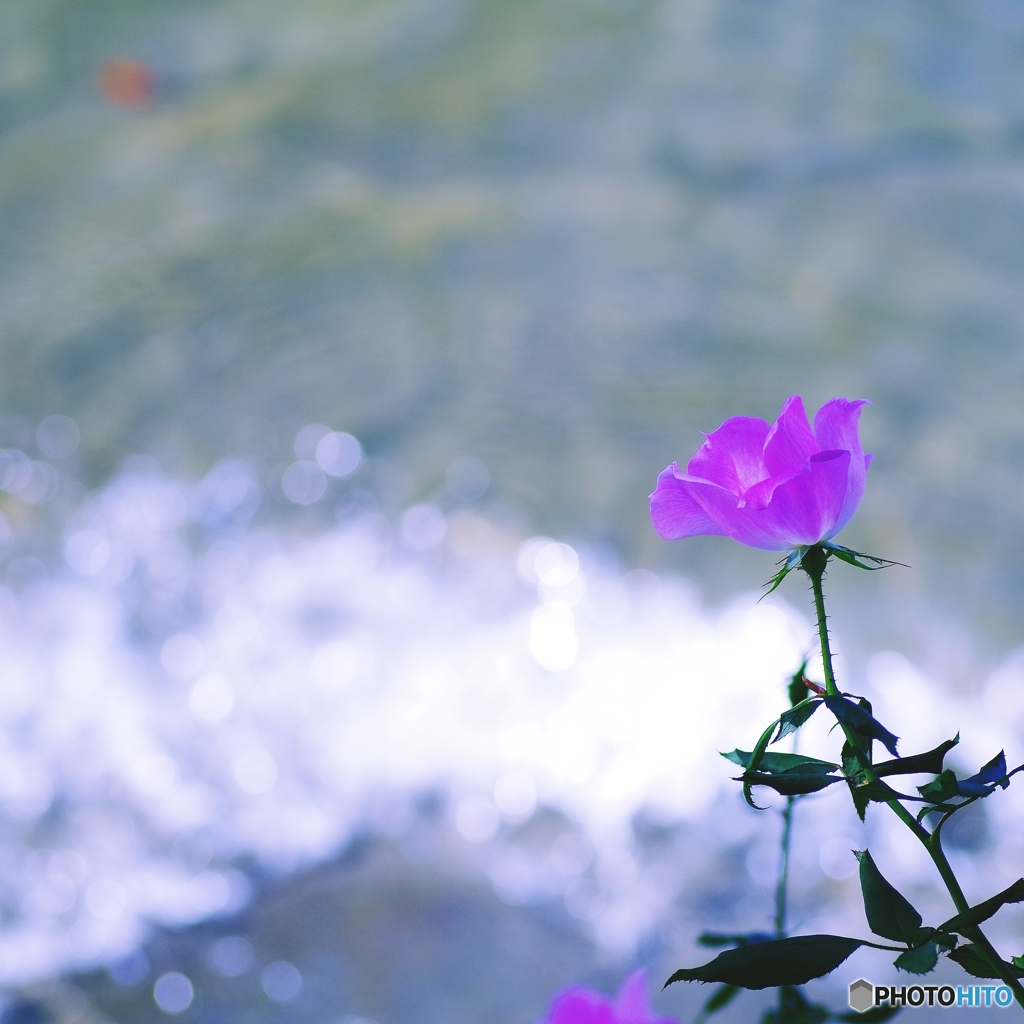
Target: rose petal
[(632, 1005), (836, 426), (790, 441), (675, 513), (733, 455), (836, 423), (807, 508), (748, 526), (760, 495), (581, 1006)]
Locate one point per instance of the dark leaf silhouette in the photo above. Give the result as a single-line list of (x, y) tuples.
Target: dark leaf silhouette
[(889, 913), (771, 964)]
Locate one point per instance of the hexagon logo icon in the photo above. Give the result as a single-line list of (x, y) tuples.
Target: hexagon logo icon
[(862, 995)]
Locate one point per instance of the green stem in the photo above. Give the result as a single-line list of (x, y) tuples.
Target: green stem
[(813, 563), (781, 890)]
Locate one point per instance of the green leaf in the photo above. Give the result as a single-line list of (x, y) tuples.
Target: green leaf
[(889, 913), (797, 688), (856, 758), (721, 939), (853, 766), (791, 720), (854, 772), (777, 764), (796, 1009), (754, 761), (918, 961), (865, 791), (1017, 961), (939, 789), (792, 783), (930, 761), (788, 774), (861, 799), (876, 1015), (971, 959), (858, 718), (720, 999), (770, 964), (983, 911), (881, 793), (991, 775), (793, 1008)]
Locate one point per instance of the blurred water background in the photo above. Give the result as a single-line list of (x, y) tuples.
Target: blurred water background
[(343, 677)]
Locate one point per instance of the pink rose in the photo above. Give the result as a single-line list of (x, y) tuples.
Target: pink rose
[(775, 487), (584, 1006)]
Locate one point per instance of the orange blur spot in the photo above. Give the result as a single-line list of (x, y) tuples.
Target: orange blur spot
[(127, 83)]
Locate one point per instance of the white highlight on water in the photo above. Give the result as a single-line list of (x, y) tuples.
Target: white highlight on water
[(266, 694)]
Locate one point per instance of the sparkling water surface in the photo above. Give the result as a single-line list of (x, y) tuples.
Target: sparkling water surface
[(200, 701)]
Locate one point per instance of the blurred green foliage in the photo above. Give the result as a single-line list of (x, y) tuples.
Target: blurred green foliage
[(560, 236)]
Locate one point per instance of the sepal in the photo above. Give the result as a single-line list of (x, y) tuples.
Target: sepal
[(854, 557), (791, 561)]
